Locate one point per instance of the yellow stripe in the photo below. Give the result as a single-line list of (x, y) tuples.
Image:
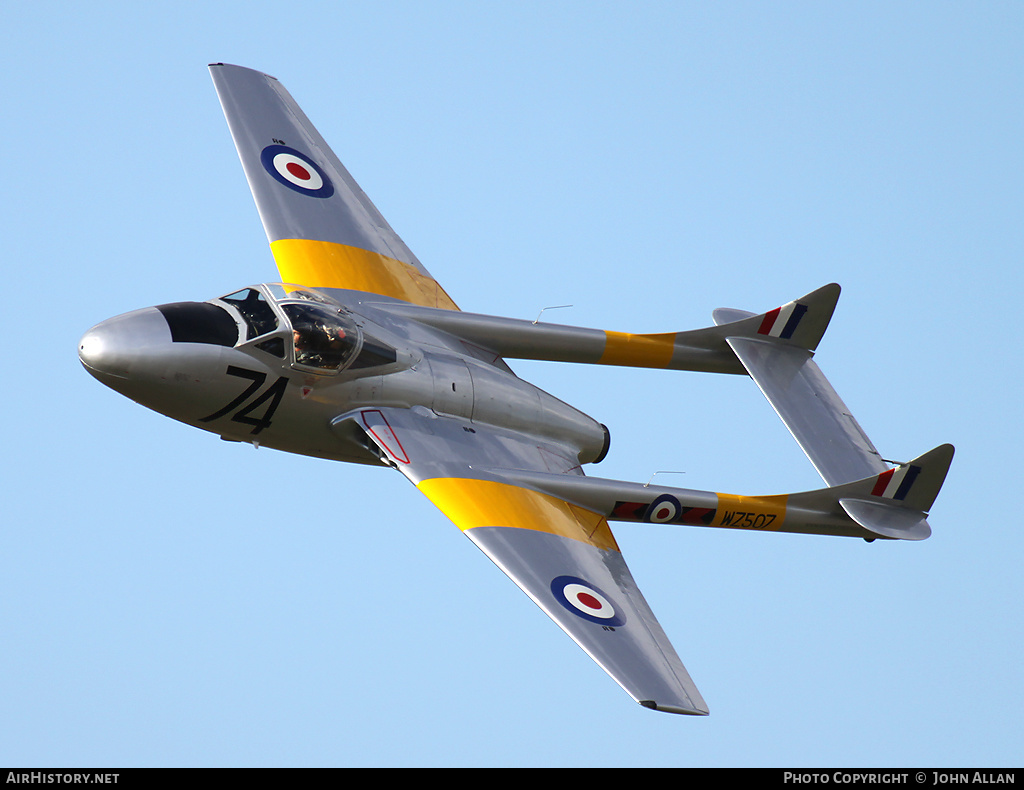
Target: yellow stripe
[(324, 264), (640, 351), (485, 503), (751, 512)]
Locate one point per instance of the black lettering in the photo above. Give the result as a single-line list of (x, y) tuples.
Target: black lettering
[(257, 380), (272, 397), (273, 394)]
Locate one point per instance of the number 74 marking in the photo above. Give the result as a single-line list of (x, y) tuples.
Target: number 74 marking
[(271, 396)]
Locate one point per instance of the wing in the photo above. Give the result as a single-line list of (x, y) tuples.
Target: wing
[(562, 556), (323, 229)]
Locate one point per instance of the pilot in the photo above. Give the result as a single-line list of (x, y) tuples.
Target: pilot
[(318, 345), (306, 353)]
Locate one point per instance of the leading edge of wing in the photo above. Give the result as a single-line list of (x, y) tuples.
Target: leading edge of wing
[(564, 557), (323, 230)]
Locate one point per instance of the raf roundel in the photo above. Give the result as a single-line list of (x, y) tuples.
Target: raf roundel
[(663, 510), (585, 600), (296, 171)]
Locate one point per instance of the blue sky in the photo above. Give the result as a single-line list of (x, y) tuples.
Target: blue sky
[(170, 599)]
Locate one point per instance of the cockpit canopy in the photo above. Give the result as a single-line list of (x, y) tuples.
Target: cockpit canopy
[(323, 338), (316, 332)]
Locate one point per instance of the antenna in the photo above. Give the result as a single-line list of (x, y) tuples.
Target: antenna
[(663, 472), (554, 307)]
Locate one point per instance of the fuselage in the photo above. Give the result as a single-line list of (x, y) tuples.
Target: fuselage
[(278, 365)]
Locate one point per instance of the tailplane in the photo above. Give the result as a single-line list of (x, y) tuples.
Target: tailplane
[(776, 349)]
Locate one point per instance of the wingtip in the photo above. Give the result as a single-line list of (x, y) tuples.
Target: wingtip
[(221, 64), (652, 705)]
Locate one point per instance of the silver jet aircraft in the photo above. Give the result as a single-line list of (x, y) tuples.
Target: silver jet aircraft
[(359, 355)]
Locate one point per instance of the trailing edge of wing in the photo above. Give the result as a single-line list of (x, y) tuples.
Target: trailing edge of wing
[(561, 555), (323, 229)]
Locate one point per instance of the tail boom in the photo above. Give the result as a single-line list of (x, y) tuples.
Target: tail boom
[(802, 322), (848, 510)]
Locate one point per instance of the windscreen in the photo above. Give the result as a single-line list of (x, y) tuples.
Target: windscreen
[(258, 314)]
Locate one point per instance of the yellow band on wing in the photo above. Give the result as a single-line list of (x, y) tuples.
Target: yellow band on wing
[(324, 264), (751, 512), (641, 351), (485, 503)]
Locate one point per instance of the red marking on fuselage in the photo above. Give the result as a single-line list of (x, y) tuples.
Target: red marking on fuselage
[(385, 434)]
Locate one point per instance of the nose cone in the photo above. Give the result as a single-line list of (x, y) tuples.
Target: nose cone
[(111, 348)]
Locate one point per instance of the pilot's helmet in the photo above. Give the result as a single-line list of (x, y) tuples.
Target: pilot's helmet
[(307, 332)]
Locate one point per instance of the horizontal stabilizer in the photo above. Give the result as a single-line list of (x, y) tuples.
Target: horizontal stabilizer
[(811, 409), (780, 361), (778, 355)]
